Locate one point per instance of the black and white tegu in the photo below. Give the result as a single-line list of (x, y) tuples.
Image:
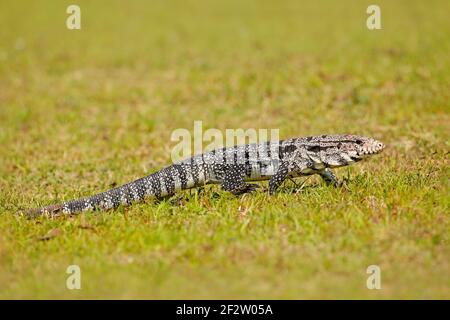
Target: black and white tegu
[(232, 168)]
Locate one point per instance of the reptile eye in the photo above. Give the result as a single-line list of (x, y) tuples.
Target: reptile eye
[(360, 142)]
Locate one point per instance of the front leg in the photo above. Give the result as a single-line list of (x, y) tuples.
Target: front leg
[(233, 180), (329, 177)]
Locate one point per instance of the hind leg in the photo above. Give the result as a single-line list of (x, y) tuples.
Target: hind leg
[(233, 180)]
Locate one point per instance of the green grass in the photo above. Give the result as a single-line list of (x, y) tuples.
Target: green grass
[(83, 110)]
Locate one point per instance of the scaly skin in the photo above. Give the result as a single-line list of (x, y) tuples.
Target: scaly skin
[(232, 168)]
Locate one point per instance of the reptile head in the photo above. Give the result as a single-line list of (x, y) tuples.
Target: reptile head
[(358, 148), (341, 150), (367, 147)]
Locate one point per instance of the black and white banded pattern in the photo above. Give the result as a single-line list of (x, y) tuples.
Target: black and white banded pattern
[(232, 168)]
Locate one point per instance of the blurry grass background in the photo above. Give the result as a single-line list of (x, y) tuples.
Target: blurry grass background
[(83, 110)]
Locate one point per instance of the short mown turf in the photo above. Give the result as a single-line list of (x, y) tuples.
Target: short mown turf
[(84, 110)]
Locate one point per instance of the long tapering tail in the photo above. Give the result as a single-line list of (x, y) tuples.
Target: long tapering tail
[(124, 195), (162, 183)]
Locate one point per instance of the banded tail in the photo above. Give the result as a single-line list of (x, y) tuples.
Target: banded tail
[(159, 184)]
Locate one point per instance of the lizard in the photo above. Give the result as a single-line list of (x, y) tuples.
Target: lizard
[(232, 168)]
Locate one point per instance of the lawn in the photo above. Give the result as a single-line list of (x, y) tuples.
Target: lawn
[(84, 110)]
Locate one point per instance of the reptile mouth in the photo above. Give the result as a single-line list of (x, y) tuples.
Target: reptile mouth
[(371, 149)]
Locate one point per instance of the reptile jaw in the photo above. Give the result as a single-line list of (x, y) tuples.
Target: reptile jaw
[(371, 148)]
